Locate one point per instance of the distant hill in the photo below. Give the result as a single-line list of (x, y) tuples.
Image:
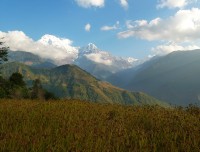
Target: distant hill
[(29, 59), (71, 82), (173, 78), (123, 78)]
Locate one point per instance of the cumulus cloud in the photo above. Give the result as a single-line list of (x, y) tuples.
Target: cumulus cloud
[(99, 58), (168, 48), (108, 28), (90, 3), (45, 48), (87, 27), (184, 26), (124, 3)]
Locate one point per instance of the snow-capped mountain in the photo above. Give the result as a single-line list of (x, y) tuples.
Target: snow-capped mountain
[(62, 43), (101, 63), (90, 48), (67, 52), (93, 53), (92, 59)]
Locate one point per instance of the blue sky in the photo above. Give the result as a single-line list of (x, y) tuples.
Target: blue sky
[(68, 18)]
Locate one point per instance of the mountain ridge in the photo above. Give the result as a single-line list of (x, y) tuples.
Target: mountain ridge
[(71, 82), (97, 62), (172, 78)]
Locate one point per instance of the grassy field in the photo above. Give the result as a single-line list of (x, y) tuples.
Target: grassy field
[(81, 126)]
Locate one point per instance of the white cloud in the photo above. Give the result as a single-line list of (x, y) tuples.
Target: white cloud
[(90, 3), (184, 26), (99, 58), (174, 3), (108, 28), (99, 3), (168, 48), (18, 41), (87, 27), (124, 3)]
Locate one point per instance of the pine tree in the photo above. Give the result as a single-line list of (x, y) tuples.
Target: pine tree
[(3, 82), (17, 79), (18, 87), (3, 52)]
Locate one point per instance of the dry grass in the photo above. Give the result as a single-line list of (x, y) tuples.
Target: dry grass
[(81, 126)]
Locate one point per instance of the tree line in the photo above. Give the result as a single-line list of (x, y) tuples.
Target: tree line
[(15, 87)]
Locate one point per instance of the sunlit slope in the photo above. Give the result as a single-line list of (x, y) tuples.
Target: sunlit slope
[(71, 82)]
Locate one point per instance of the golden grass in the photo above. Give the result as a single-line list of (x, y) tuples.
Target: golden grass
[(82, 126)]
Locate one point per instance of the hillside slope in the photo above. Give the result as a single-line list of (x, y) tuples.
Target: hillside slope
[(71, 82), (30, 59), (173, 78)]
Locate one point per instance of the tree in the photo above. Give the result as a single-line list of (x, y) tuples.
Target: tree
[(49, 96), (37, 91), (4, 88), (18, 87), (3, 52), (17, 79)]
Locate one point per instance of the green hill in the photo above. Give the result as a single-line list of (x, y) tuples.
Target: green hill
[(71, 82)]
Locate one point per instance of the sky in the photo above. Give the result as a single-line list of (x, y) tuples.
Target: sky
[(128, 28)]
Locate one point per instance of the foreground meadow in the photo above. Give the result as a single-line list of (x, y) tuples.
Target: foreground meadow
[(82, 126)]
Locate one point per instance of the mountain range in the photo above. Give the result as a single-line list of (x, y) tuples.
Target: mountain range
[(173, 78), (71, 82), (99, 63), (102, 64)]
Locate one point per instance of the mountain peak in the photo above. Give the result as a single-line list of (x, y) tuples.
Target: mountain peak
[(90, 48), (67, 53), (55, 41)]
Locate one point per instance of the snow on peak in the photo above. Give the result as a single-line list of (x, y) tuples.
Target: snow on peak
[(131, 60), (65, 53), (91, 52), (55, 41), (90, 48)]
